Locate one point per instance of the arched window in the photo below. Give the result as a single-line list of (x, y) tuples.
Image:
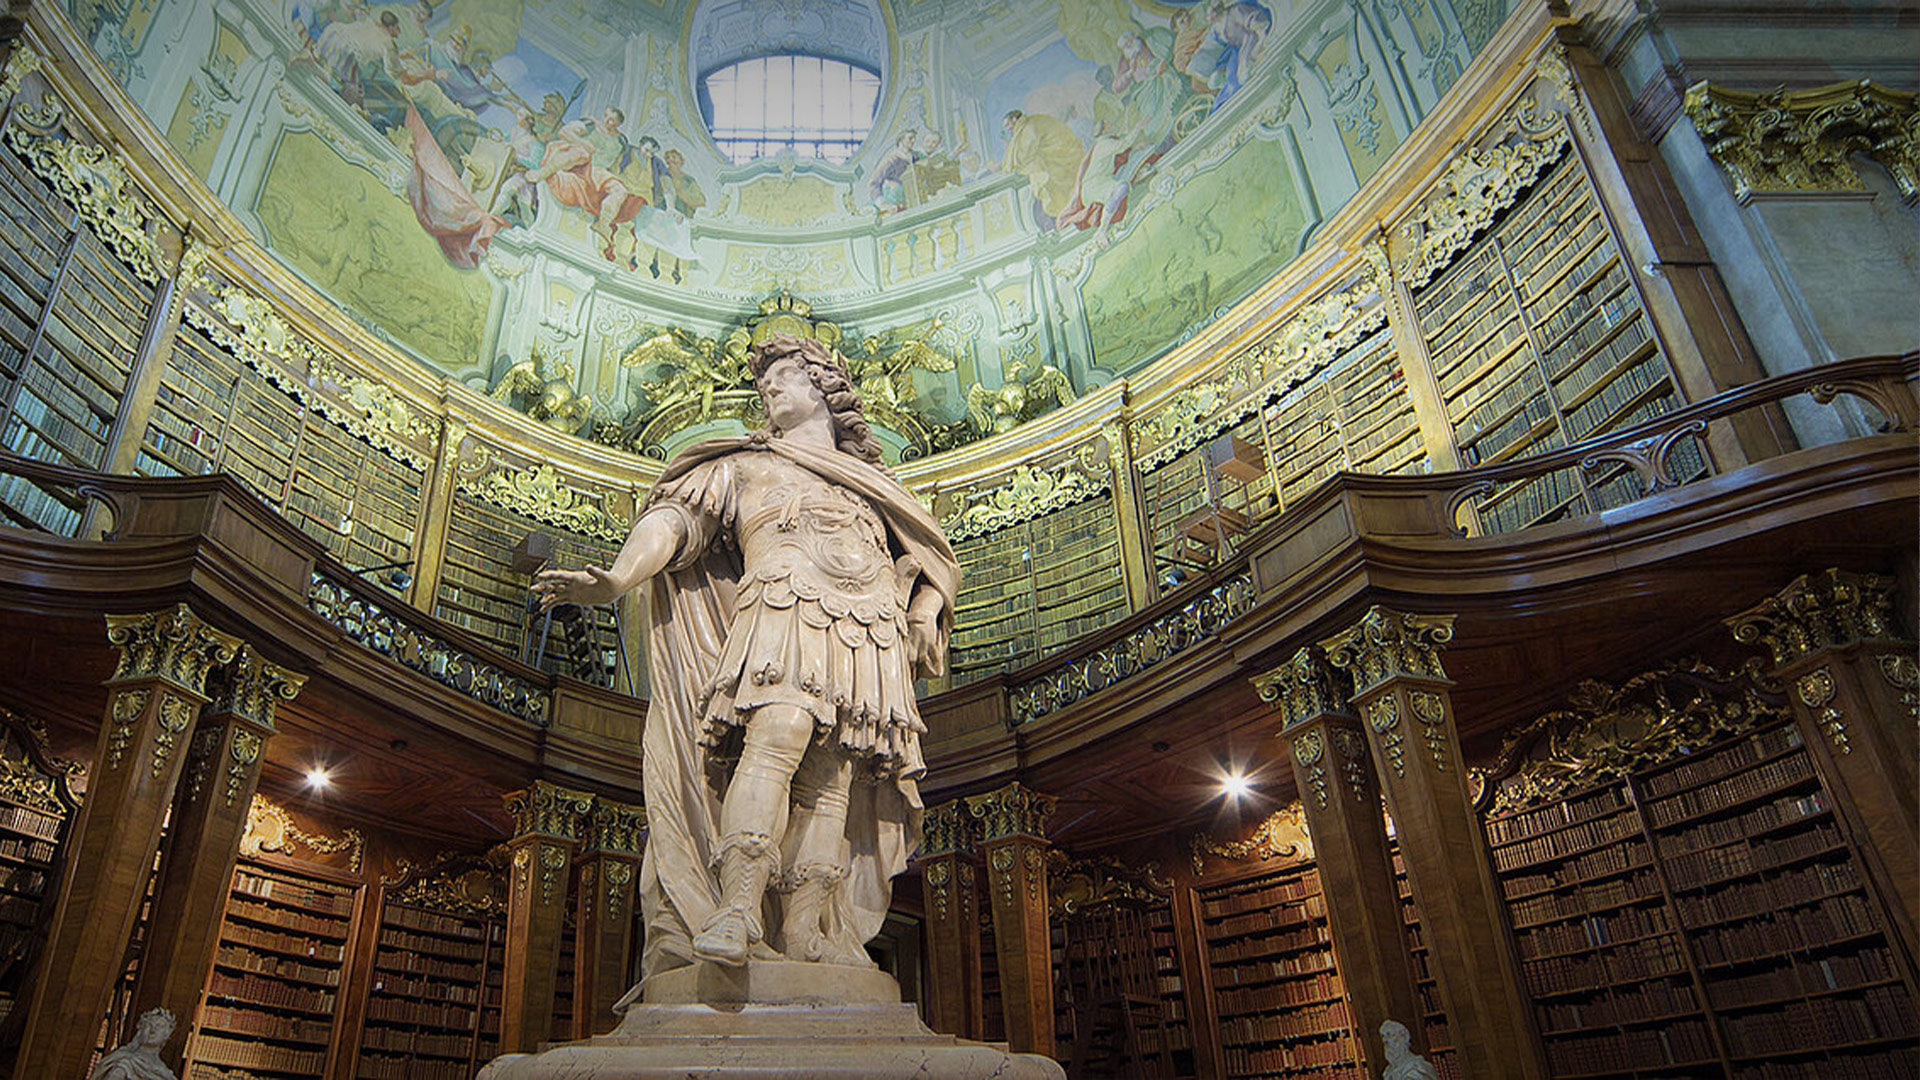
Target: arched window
[(821, 108)]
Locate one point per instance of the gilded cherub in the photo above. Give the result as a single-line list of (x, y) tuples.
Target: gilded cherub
[(547, 397)]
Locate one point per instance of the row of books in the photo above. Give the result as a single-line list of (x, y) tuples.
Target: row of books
[(36, 504), (1621, 1005), (1258, 971), (403, 1040), (382, 1067), (1868, 965), (1896, 1066), (31, 850), (1684, 1041), (1309, 936), (1626, 387), (1631, 962), (1263, 895), (1324, 986), (333, 901), (1756, 898), (245, 1021), (249, 1054), (1285, 912), (280, 967), (1835, 919), (1271, 1027), (1885, 1012), (40, 824), (460, 993), (259, 937), (1610, 337), (1716, 764), (1331, 1058), (1639, 888), (1713, 866), (408, 942), (1528, 501), (291, 918), (1594, 931), (265, 991), (1563, 842), (1607, 860), (433, 922)]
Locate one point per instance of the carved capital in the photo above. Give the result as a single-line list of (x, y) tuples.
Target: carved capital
[(1306, 687), (1013, 810), (1828, 610), (1387, 645), (1802, 140), (617, 827), (251, 688), (549, 810), (173, 645), (945, 830)]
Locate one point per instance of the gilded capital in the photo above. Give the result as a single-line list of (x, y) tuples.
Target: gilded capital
[(1306, 687), (548, 810), (945, 829), (617, 827), (1801, 140), (1828, 610), (173, 645), (252, 688), (1388, 644), (1013, 810)]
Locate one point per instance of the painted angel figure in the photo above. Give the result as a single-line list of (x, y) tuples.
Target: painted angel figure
[(798, 590)]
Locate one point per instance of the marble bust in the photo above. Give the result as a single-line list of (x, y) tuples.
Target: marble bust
[(1402, 1062), (797, 591), (140, 1058)]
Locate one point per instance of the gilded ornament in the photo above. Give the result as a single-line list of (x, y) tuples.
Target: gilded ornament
[(553, 865), (945, 829), (1476, 186), (252, 688), (1388, 644), (547, 809), (619, 877), (1351, 748), (1828, 610), (1283, 835), (457, 883), (544, 392), (206, 746), (1816, 690), (1014, 810), (1431, 711), (1608, 732), (617, 827), (98, 186), (400, 634), (175, 717), (271, 829), (1803, 140), (173, 645), (21, 62), (244, 750), (1027, 494), (522, 870), (1308, 749), (1145, 647), (1079, 885), (30, 774), (539, 493), (1305, 688), (127, 707), (1903, 674), (1000, 862), (1383, 716)]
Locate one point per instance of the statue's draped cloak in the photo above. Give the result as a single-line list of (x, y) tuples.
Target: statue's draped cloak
[(693, 606)]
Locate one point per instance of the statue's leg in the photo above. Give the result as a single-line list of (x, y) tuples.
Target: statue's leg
[(816, 852), (753, 818)]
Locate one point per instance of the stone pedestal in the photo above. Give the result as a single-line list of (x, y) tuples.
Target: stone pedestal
[(771, 1021)]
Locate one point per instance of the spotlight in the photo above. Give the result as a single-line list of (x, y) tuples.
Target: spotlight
[(319, 779), (1233, 785)]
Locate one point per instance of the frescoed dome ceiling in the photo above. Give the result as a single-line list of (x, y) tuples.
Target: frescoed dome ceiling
[(524, 194)]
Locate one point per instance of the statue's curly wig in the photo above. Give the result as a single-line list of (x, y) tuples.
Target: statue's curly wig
[(829, 373)]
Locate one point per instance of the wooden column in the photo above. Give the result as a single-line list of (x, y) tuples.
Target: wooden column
[(547, 820), (1401, 695), (209, 816), (1855, 693), (603, 914), (950, 884), (154, 697), (1342, 804), (1013, 838)]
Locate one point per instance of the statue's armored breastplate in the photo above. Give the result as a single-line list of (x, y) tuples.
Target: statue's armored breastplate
[(807, 540)]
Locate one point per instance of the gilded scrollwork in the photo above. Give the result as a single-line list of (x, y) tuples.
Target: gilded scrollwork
[(1028, 493), (538, 492), (619, 879), (1283, 835), (945, 829), (21, 62), (1306, 687), (544, 808), (1430, 709), (1383, 718), (1903, 674), (1013, 810), (1607, 732), (98, 186), (1309, 750), (30, 774), (253, 688), (457, 883), (1079, 885), (553, 870), (126, 708), (1351, 748), (404, 639), (1142, 648), (243, 751), (1817, 690), (1828, 610), (173, 645), (1803, 140), (173, 718), (617, 827), (1387, 644), (271, 829)]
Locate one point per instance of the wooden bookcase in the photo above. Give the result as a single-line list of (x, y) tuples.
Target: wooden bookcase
[(1433, 1015), (71, 321), (481, 593), (214, 412), (1036, 586), (272, 998), (1281, 1006), (1113, 955), (1539, 337), (1705, 916), (37, 804), (1171, 986), (430, 986)]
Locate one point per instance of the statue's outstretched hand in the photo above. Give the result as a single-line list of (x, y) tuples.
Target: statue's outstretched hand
[(594, 585)]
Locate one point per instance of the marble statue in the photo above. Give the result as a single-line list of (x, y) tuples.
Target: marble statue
[(1402, 1062), (797, 591), (140, 1059)]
